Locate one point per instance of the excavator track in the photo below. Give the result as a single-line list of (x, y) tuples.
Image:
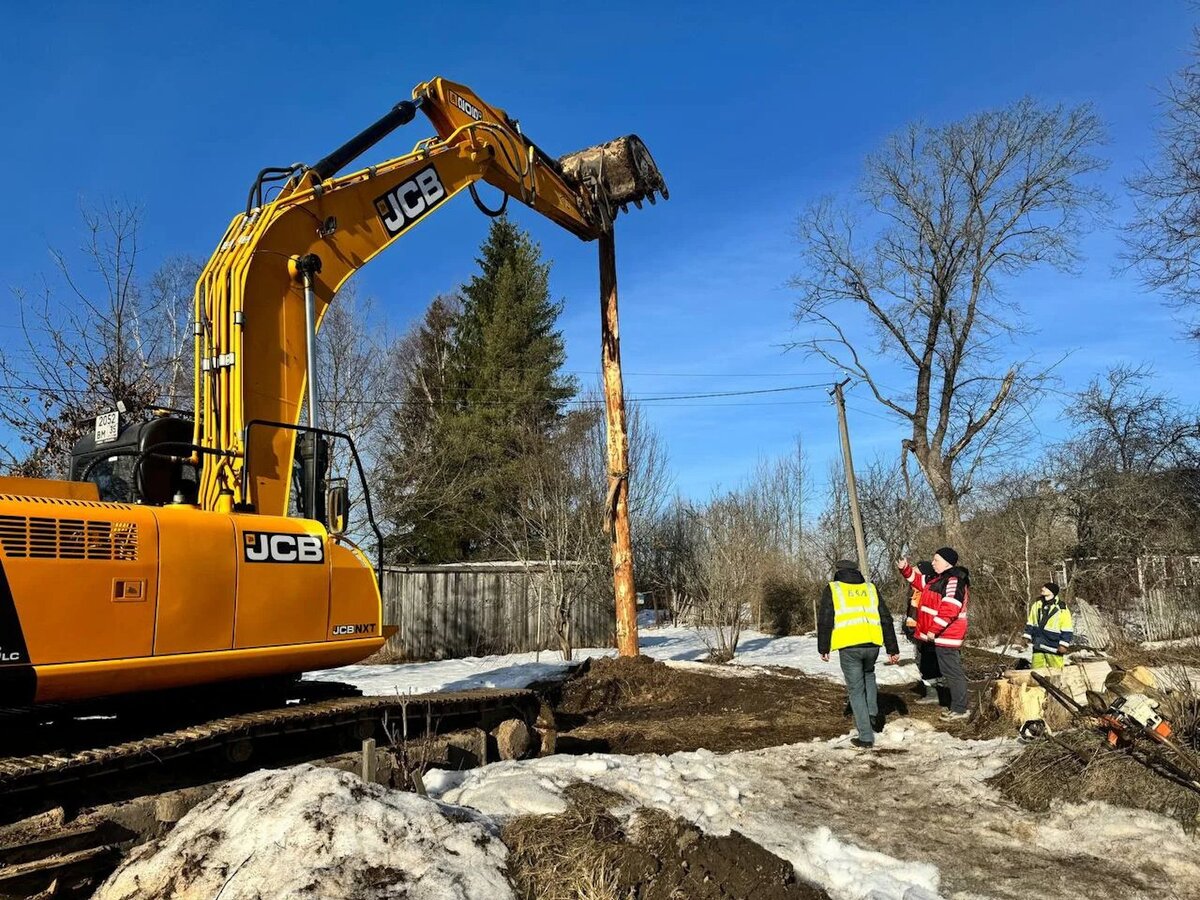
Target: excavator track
[(48, 851), (405, 716)]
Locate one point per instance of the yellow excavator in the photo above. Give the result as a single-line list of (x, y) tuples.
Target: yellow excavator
[(170, 559)]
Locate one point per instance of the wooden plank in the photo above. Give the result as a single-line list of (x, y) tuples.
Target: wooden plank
[(11, 873)]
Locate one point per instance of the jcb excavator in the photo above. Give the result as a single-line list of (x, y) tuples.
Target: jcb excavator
[(170, 558)]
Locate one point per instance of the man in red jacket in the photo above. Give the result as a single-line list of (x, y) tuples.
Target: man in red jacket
[(942, 620)]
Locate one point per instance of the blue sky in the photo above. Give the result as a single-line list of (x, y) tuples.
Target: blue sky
[(752, 111)]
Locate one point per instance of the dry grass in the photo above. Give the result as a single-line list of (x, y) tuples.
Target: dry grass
[(1078, 766), (389, 654), (571, 856)]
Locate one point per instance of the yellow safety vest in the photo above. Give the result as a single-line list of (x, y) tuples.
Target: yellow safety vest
[(855, 615)]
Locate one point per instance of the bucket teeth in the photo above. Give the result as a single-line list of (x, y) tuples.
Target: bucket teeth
[(619, 172)]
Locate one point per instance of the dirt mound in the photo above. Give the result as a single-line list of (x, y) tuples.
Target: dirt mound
[(639, 705), (1076, 767), (608, 680), (586, 852)]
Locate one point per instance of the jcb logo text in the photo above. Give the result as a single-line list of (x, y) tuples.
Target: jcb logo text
[(466, 106), (265, 546), (410, 200), (364, 628)]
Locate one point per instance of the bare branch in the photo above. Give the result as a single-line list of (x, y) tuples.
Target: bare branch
[(957, 209)]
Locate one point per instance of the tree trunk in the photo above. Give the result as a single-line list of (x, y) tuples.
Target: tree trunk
[(941, 483)]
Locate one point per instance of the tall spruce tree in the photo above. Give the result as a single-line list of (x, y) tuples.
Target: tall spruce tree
[(504, 395), (418, 484)]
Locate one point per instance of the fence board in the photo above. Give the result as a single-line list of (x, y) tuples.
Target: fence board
[(479, 608)]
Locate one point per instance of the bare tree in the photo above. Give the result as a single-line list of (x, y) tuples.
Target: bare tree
[(728, 559), (1021, 529), (91, 338), (954, 211), (780, 488), (171, 289), (1124, 425), (1130, 470), (559, 528), (833, 537), (666, 558), (1131, 474), (893, 510), (557, 533), (359, 377), (1164, 236)]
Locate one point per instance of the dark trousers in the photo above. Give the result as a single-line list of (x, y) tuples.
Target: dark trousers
[(927, 662), (950, 662), (858, 665)]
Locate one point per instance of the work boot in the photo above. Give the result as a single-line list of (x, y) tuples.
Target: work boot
[(861, 744)]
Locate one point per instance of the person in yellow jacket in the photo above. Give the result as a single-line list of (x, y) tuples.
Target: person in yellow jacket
[(1049, 629), (853, 620)]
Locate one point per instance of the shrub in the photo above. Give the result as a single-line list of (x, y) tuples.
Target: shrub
[(787, 604)]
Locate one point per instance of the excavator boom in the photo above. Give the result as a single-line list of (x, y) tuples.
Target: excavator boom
[(253, 336)]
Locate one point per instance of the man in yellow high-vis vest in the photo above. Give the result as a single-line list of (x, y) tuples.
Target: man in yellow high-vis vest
[(854, 621)]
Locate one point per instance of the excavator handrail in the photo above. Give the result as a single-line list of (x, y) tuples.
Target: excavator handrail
[(362, 476)]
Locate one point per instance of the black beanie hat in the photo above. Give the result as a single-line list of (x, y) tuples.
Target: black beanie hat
[(845, 565), (948, 554), (1051, 587)]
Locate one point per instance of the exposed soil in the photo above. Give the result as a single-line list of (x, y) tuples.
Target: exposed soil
[(639, 705), (586, 852)]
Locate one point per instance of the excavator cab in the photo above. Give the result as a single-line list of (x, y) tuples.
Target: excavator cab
[(139, 462)]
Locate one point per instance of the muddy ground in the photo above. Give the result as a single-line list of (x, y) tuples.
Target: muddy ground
[(642, 706)]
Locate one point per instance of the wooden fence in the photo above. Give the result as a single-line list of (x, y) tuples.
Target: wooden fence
[(476, 609)]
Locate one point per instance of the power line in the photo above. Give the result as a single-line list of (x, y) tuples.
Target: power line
[(586, 401)]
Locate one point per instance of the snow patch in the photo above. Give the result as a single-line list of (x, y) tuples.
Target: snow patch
[(720, 793), (914, 820), (319, 833)]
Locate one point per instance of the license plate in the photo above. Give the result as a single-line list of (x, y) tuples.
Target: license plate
[(108, 426)]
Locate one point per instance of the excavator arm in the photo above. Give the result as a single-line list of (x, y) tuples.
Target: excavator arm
[(262, 295)]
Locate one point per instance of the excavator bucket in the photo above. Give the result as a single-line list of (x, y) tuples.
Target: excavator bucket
[(616, 174)]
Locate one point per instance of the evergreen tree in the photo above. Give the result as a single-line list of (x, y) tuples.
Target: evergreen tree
[(418, 484), (503, 395)]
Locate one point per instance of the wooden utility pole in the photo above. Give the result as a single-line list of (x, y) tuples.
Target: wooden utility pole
[(617, 505), (851, 485)]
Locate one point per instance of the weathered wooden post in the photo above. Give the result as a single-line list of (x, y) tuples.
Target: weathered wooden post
[(617, 506), (612, 176)]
